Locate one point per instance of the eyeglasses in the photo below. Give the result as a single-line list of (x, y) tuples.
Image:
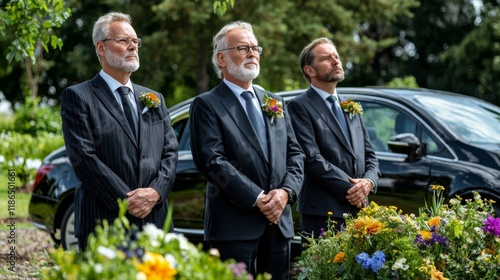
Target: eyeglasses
[(126, 41), (246, 49)]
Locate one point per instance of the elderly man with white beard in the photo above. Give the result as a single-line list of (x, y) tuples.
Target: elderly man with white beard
[(244, 145)]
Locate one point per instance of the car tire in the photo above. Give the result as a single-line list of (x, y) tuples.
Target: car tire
[(68, 238)]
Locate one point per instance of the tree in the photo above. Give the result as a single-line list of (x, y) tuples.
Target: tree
[(32, 25)]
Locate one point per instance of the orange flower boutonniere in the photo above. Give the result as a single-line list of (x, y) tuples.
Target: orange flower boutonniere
[(150, 100), (272, 107), (351, 107)]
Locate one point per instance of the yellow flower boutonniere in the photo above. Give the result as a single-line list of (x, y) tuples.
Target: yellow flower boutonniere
[(150, 100), (351, 107), (273, 108)]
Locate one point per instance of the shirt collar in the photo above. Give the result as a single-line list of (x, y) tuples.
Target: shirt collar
[(323, 94), (114, 84), (237, 90)]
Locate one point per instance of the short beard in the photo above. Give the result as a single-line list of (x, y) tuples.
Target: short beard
[(119, 63), (240, 72), (329, 77)]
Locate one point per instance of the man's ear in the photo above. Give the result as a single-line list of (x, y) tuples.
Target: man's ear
[(101, 49), (309, 71), (221, 59)]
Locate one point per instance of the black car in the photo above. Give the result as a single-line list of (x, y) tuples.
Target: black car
[(421, 137)]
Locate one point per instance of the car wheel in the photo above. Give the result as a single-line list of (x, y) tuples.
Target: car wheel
[(68, 239)]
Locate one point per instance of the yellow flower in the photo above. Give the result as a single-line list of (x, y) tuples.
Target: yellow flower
[(437, 187), (426, 235), (367, 225), (156, 267), (329, 213), (437, 275), (339, 257), (436, 221)]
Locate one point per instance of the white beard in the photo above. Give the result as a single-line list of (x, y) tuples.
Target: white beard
[(118, 62), (240, 72)]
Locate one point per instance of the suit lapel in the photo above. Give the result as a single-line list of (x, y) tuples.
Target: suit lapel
[(326, 114), (270, 131), (104, 94), (236, 111)]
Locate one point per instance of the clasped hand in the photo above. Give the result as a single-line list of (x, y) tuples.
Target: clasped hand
[(141, 201), (273, 204), (358, 193)]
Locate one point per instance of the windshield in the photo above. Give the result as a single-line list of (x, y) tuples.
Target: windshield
[(472, 120)]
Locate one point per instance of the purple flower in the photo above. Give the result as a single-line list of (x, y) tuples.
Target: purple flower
[(239, 269), (492, 225)]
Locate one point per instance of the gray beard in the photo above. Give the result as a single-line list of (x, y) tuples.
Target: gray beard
[(119, 63), (240, 72)]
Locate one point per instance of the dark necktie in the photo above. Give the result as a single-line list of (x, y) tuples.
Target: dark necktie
[(339, 115), (128, 109), (256, 120)]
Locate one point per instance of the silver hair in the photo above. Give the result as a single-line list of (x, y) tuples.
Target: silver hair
[(101, 26), (220, 41)]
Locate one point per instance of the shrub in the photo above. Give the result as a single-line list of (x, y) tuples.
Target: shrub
[(455, 241)]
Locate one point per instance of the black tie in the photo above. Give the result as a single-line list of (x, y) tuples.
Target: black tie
[(256, 120), (127, 109), (337, 111)]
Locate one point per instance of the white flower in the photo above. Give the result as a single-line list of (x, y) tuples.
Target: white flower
[(171, 260), (141, 276), (183, 242), (153, 232), (98, 268), (399, 264), (108, 253)]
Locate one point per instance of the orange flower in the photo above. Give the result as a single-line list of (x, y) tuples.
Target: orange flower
[(156, 267), (426, 235), (272, 102), (437, 275), (339, 257), (436, 221)]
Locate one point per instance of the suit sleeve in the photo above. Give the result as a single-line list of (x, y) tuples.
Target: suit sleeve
[(294, 176), (317, 167), (164, 182), (79, 140), (372, 170), (208, 151)]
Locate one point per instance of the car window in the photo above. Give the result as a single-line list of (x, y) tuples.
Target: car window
[(383, 121), (181, 128)]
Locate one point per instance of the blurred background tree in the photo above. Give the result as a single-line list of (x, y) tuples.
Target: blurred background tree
[(444, 44)]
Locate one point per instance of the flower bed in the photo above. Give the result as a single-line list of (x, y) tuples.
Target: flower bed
[(445, 241), (119, 251)]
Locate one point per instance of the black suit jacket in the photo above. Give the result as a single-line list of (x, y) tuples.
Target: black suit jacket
[(226, 150), (330, 159), (108, 159)]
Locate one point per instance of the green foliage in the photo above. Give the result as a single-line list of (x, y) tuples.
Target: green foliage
[(119, 251), (32, 119), (220, 7), (405, 82), (6, 122), (19, 149), (33, 23), (455, 241)]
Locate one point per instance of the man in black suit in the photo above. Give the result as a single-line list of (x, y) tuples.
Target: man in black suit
[(120, 145), (340, 167), (250, 157)]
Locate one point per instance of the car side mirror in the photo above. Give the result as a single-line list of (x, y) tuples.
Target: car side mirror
[(408, 144)]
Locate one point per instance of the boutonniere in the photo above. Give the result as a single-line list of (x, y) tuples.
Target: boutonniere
[(351, 107), (150, 100), (272, 107)]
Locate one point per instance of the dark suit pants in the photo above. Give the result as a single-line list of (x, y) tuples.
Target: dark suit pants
[(270, 253)]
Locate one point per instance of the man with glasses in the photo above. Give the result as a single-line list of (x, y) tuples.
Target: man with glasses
[(250, 157), (121, 145)]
